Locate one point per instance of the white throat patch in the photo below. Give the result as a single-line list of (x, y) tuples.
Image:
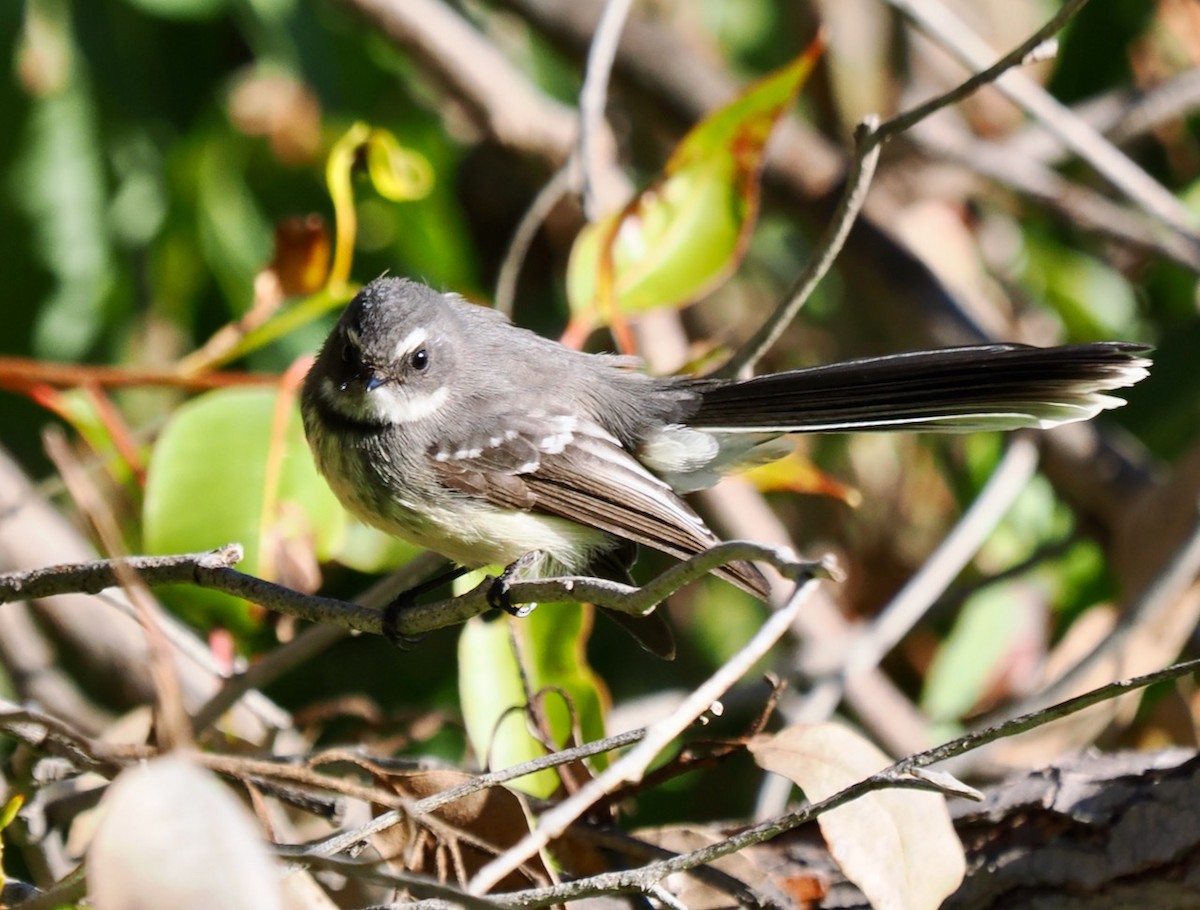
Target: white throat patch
[(395, 404), (387, 404)]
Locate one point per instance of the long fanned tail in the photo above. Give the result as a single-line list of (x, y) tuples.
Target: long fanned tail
[(981, 387)]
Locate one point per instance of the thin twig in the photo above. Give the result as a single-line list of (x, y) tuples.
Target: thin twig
[(955, 36), (1018, 56), (592, 96), (899, 774), (634, 763), (345, 840), (539, 210), (854, 195), (438, 894)]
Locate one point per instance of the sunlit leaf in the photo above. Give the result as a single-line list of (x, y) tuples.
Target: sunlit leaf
[(898, 846), (796, 474), (219, 474), (688, 230), (173, 829), (490, 684)]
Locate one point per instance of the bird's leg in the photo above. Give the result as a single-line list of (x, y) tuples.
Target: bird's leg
[(498, 593), (407, 599)]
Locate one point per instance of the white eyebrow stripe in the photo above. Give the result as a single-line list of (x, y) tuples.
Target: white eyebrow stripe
[(410, 342)]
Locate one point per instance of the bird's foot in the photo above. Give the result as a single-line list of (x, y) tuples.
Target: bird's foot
[(499, 593), (406, 600)]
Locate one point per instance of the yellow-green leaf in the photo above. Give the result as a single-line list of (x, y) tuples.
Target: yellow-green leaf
[(687, 231), (492, 695)]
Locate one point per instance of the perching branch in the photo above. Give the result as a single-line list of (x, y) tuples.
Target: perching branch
[(213, 570)]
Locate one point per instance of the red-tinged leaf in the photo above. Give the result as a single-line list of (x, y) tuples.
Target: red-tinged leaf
[(684, 234), (94, 417), (898, 846), (796, 474)]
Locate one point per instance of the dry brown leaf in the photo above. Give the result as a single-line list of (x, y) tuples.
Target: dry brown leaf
[(898, 846)]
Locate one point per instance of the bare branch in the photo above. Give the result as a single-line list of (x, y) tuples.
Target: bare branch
[(901, 774), (973, 52), (93, 577), (854, 196), (211, 570), (591, 102)]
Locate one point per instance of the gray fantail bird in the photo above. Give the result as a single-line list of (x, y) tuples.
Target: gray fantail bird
[(440, 422)]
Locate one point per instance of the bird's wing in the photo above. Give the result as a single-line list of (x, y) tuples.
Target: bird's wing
[(573, 468)]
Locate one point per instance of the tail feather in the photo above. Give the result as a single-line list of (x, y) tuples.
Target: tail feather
[(981, 387)]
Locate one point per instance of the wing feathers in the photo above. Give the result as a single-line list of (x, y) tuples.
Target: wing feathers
[(574, 469)]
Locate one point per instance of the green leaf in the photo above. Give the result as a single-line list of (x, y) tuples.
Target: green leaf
[(688, 230), (182, 9), (234, 234), (58, 180), (219, 474), (991, 627), (491, 691)]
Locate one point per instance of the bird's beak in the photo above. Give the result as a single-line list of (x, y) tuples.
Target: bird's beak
[(374, 381)]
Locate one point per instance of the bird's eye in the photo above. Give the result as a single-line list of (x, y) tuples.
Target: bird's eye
[(420, 359), (348, 353)]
